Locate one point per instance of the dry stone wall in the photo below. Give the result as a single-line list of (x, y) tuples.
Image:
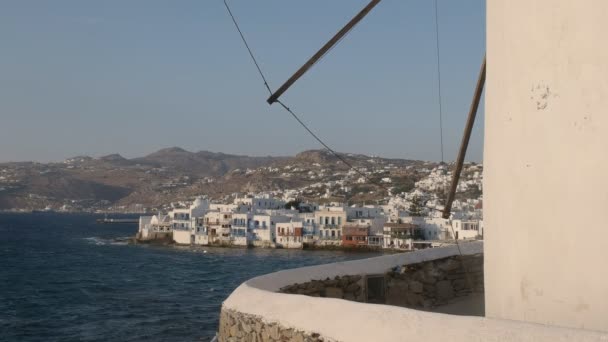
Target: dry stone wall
[(345, 287), (237, 327), (423, 285), (434, 283)]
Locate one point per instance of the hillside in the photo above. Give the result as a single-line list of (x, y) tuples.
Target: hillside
[(202, 163), (115, 183)]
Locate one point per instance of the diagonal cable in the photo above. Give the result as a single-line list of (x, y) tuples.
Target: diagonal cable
[(296, 117), (247, 46), (439, 79)]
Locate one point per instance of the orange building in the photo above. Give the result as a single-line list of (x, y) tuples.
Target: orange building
[(354, 235)]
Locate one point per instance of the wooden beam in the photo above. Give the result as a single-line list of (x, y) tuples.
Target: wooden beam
[(315, 58), (464, 144)]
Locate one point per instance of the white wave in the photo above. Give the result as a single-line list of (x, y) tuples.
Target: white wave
[(119, 243), (96, 241)]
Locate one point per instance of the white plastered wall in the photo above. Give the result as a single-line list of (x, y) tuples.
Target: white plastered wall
[(546, 162)]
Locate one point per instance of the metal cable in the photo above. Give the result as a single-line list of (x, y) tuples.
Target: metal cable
[(294, 115), (439, 79), (464, 266), (297, 118), (247, 46), (336, 154)]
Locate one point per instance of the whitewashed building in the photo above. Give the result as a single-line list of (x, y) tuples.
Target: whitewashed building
[(400, 235), (290, 234), (240, 228), (330, 221), (184, 221), (153, 227), (260, 202), (467, 229), (218, 225)]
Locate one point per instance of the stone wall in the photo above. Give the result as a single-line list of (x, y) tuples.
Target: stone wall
[(423, 285), (345, 287), (236, 326), (434, 283)]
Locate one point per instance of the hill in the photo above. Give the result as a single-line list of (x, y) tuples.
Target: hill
[(116, 183), (202, 163)]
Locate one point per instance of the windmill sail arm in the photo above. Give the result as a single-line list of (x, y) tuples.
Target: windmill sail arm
[(324, 49)]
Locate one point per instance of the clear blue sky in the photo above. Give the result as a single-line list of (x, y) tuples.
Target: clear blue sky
[(130, 77)]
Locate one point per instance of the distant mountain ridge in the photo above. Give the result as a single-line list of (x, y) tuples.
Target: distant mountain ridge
[(203, 162), (168, 174)]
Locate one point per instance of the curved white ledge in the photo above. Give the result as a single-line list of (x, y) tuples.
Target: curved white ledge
[(344, 320)]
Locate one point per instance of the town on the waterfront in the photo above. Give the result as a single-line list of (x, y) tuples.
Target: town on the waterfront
[(406, 221)]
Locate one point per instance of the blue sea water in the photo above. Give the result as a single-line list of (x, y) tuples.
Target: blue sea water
[(65, 278)]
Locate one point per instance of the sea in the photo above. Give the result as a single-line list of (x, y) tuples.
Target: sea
[(65, 277)]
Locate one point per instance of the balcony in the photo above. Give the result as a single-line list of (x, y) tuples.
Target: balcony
[(222, 222), (290, 233), (423, 296), (355, 240), (401, 236)]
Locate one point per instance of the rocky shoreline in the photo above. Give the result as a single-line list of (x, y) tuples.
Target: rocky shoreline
[(168, 241)]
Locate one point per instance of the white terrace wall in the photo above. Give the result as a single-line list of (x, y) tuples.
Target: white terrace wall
[(546, 162), (256, 308)]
